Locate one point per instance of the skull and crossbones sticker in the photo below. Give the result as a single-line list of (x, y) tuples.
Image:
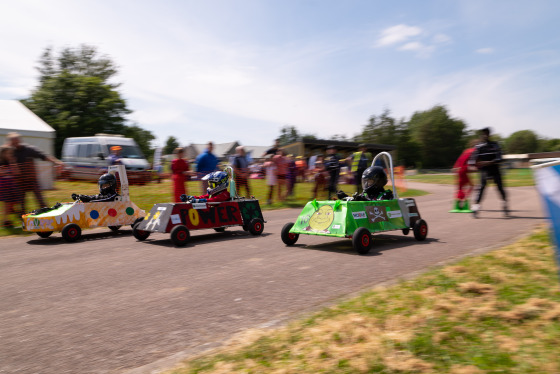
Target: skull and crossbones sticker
[(376, 213)]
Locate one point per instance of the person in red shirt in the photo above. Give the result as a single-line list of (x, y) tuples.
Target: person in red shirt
[(180, 173), (464, 184), (217, 189)]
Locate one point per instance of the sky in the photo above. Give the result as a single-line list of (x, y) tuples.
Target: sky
[(240, 70)]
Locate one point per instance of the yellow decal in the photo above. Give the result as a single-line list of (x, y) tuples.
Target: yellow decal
[(194, 217), (322, 218)]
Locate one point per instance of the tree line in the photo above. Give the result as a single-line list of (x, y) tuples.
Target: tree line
[(77, 96)]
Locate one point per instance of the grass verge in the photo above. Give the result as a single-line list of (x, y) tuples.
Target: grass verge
[(512, 178), (494, 313), (148, 195)]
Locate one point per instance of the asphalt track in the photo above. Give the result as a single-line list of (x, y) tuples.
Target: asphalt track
[(110, 304)]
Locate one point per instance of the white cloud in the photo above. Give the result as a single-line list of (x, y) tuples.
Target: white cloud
[(485, 50), (397, 34)]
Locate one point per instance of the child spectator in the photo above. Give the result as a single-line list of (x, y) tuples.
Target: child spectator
[(8, 188), (270, 175), (179, 174), (320, 178)]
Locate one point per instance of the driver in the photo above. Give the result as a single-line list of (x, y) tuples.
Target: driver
[(374, 180), (107, 190), (217, 189)]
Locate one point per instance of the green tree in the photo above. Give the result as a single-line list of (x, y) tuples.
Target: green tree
[(75, 97), (288, 135), (524, 141), (549, 145), (142, 137), (441, 139), (170, 145)]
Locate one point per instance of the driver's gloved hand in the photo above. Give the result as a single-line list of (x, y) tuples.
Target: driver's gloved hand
[(341, 195), (74, 196), (84, 198), (184, 198)]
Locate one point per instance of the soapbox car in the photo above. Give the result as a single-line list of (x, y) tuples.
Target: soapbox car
[(71, 218), (179, 219), (358, 219)]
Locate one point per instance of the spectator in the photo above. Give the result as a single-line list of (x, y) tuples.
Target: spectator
[(320, 176), (487, 157), (241, 170), (8, 189), (115, 156), (301, 166), (332, 164), (281, 162), (359, 162), (206, 163), (274, 149), (291, 177), (179, 174), (464, 184), (270, 175), (24, 155)]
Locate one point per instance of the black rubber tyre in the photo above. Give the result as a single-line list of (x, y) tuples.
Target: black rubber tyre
[(140, 234), (180, 235), (287, 237), (420, 230), (362, 240), (220, 229), (256, 226), (71, 232), (136, 221), (44, 234), (115, 228), (406, 231)]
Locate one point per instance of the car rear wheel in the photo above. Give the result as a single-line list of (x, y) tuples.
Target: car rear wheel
[(220, 229), (71, 232), (362, 240), (115, 228), (140, 234), (420, 230), (256, 226), (406, 231), (287, 237), (44, 234), (180, 235)]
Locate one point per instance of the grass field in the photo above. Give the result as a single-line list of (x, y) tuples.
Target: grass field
[(494, 313), (148, 195), (512, 178)]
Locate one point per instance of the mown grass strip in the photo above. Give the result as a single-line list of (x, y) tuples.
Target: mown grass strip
[(494, 313)]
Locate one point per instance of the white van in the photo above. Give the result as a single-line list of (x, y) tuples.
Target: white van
[(88, 157)]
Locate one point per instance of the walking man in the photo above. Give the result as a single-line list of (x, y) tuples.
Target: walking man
[(487, 157)]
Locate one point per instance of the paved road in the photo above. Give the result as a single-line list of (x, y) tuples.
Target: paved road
[(110, 304)]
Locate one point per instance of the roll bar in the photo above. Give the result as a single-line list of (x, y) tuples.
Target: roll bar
[(388, 161)]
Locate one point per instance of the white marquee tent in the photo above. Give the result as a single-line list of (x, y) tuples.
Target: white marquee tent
[(15, 117)]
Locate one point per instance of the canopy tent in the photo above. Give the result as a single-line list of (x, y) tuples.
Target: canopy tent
[(15, 117)]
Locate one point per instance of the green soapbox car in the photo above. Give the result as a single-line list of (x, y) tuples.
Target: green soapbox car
[(358, 219)]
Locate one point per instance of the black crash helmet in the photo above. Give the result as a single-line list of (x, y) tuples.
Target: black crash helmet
[(374, 179), (107, 184)]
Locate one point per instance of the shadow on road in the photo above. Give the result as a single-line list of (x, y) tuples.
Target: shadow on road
[(163, 239), (56, 238), (381, 243)]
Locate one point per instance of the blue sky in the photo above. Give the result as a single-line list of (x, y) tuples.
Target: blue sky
[(241, 69)]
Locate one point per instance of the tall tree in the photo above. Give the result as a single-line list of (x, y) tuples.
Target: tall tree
[(524, 141), (441, 138), (170, 145), (288, 135), (74, 94)]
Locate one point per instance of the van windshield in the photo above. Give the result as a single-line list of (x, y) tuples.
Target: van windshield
[(128, 151)]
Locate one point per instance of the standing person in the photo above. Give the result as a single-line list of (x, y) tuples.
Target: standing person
[(241, 170), (360, 161), (115, 156), (332, 164), (8, 188), (24, 155), (274, 149), (464, 184), (291, 177), (320, 176), (270, 175), (487, 157), (180, 173), (301, 166), (281, 162), (206, 163)]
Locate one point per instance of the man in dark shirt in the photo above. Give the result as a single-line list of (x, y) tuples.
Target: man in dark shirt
[(24, 155), (487, 157), (332, 164)]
